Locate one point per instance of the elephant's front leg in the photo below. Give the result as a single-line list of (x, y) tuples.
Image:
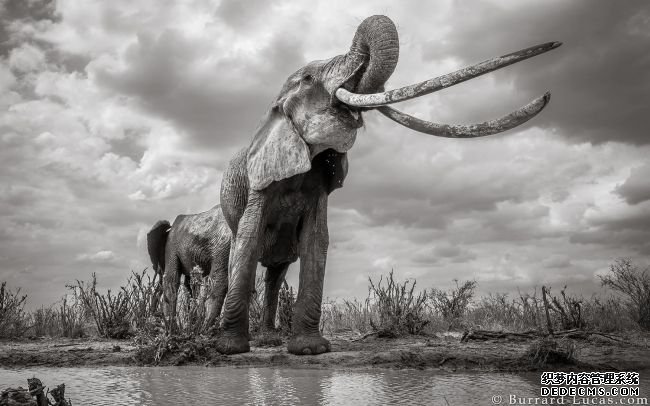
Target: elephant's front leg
[(218, 282), (234, 338), (313, 242)]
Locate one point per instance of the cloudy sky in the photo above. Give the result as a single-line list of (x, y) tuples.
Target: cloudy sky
[(116, 114)]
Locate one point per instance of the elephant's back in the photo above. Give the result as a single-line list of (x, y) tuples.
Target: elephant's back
[(196, 237)]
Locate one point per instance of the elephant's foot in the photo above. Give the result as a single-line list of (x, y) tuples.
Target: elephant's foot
[(308, 345), (232, 344)]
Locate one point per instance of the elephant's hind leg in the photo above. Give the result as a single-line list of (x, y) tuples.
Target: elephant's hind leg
[(273, 280), (314, 240), (171, 283)]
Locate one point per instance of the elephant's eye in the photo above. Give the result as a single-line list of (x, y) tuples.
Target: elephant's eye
[(307, 78)]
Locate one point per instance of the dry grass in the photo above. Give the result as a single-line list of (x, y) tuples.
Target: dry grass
[(286, 301), (634, 284), (399, 311), (145, 296), (547, 351), (453, 305), (191, 315), (110, 312), (71, 317), (391, 309), (13, 319), (256, 305), (346, 315)]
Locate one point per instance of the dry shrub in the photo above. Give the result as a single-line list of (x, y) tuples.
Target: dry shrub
[(256, 305), (608, 314), (347, 315), (145, 297), (67, 320), (174, 349), (286, 301), (547, 351), (452, 305), (497, 312), (268, 339), (111, 313), (399, 311), (567, 310), (71, 317), (191, 310), (634, 284), (44, 322), (13, 319)]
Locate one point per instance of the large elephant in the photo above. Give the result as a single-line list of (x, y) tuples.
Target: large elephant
[(274, 193), (202, 240)]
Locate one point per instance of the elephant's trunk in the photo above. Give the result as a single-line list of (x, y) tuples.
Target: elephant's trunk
[(376, 45)]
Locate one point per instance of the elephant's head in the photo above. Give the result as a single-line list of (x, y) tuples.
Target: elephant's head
[(320, 106)]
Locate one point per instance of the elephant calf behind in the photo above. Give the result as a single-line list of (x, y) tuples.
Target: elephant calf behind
[(202, 240)]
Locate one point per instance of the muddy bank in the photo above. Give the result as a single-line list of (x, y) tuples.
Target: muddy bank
[(441, 352)]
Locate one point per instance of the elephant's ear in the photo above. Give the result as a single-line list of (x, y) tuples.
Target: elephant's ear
[(277, 152)]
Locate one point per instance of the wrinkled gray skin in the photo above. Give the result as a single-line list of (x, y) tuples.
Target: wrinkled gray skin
[(274, 193), (202, 240)]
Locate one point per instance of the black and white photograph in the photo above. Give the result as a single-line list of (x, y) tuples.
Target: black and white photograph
[(222, 202)]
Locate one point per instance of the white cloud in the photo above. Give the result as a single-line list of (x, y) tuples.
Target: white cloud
[(118, 114), (99, 257), (26, 58)]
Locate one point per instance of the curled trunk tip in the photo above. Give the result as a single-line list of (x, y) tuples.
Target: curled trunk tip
[(375, 41)]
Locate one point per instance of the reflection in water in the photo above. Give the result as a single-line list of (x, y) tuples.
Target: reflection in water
[(276, 386)]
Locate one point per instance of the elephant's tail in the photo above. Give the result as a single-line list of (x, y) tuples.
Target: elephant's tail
[(156, 241)]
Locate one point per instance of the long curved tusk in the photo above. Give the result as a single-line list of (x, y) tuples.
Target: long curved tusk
[(504, 123), (441, 82)]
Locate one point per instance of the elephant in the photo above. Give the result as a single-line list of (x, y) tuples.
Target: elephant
[(202, 240), (274, 193)]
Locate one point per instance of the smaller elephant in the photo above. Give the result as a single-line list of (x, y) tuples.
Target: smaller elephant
[(202, 240)]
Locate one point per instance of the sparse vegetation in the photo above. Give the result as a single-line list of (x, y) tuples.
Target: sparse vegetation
[(191, 310), (110, 312), (634, 284), (286, 300), (347, 315), (13, 320), (398, 310), (392, 309), (256, 305), (146, 292), (500, 312), (71, 317), (548, 351), (453, 305)]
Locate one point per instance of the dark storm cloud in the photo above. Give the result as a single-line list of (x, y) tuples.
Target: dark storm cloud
[(443, 252), (219, 106), (392, 186), (12, 11), (122, 113), (629, 229), (636, 188), (599, 78)]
